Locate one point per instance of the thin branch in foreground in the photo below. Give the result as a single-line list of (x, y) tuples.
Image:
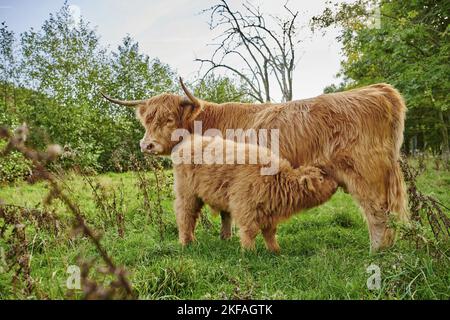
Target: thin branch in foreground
[(425, 205), (39, 160)]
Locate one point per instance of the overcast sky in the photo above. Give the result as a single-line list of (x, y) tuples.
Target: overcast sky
[(176, 32)]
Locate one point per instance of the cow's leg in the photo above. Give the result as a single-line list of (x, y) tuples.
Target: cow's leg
[(187, 208), (269, 234), (369, 191), (225, 231), (377, 217)]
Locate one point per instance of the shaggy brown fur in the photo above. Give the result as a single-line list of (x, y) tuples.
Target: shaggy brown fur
[(358, 132), (256, 202)]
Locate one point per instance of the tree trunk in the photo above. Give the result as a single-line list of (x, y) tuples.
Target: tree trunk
[(5, 92), (266, 81), (444, 132), (14, 98)]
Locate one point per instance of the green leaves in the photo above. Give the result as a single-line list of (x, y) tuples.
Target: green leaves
[(13, 166), (63, 68), (410, 50), (221, 89)]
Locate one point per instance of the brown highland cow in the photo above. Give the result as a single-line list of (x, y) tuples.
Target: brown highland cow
[(255, 201), (357, 133)]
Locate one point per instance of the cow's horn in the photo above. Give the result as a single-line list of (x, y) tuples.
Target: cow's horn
[(191, 97), (127, 103)]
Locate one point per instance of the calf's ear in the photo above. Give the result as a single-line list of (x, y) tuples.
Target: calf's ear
[(309, 185)]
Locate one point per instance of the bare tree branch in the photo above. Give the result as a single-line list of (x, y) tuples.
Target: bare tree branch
[(265, 51), (255, 92)]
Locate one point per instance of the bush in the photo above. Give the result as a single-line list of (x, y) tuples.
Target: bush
[(84, 156), (13, 167)]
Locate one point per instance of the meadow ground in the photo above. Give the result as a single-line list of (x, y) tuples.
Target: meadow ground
[(325, 251)]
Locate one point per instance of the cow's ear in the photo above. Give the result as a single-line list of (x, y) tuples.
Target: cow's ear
[(308, 184), (140, 111), (141, 114), (190, 110)]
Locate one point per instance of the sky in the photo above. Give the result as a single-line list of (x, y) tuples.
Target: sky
[(177, 32)]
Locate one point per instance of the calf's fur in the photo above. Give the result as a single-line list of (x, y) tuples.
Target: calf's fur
[(256, 202)]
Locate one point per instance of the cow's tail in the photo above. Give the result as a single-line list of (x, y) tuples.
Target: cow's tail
[(396, 188), (396, 194)]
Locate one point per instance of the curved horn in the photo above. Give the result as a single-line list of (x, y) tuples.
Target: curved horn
[(191, 97), (127, 103)]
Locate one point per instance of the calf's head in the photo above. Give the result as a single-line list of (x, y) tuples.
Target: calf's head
[(161, 116), (318, 186)]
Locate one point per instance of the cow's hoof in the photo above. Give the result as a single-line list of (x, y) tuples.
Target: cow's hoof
[(225, 235)]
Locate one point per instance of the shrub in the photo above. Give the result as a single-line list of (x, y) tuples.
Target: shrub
[(13, 167)]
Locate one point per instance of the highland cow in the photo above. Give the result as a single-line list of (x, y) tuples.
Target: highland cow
[(357, 133), (256, 202)]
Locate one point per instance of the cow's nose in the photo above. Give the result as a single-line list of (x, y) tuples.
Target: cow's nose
[(144, 146), (150, 146)]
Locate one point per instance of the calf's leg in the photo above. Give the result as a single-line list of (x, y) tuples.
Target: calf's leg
[(225, 231), (187, 208)]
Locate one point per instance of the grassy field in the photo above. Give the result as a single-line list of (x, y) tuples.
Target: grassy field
[(325, 251)]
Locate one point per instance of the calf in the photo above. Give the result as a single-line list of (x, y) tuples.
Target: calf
[(255, 201)]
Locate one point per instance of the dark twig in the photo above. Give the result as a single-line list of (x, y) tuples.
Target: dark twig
[(421, 204), (40, 159)]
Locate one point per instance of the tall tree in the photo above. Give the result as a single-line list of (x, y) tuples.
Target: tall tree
[(63, 69), (266, 51), (8, 64), (134, 74), (220, 89), (63, 60), (409, 47)]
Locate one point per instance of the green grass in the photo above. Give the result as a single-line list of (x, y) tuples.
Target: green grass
[(325, 253)]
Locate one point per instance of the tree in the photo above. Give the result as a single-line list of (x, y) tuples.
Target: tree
[(220, 89), (410, 49), (266, 52), (64, 62), (8, 65), (133, 76)]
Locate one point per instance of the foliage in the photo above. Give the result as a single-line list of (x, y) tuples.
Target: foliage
[(406, 44), (16, 221), (52, 77), (221, 89), (13, 166)]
